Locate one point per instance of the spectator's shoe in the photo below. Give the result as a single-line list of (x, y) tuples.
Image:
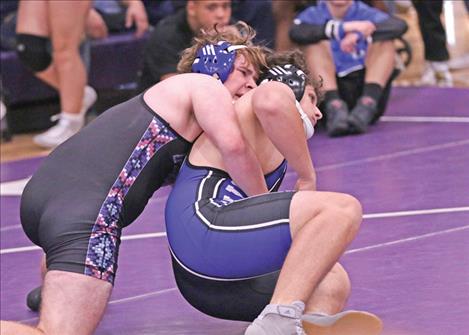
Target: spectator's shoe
[(5, 132), (33, 299), (362, 115), (336, 113), (68, 125), (278, 320), (344, 323), (436, 74), (89, 98)]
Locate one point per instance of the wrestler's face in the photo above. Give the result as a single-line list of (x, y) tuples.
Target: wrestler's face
[(205, 14), (242, 79), (309, 104)]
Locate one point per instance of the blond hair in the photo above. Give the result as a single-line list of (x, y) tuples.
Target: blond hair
[(238, 34)]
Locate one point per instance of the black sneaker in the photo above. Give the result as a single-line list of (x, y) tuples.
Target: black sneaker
[(362, 114), (33, 299), (337, 113)]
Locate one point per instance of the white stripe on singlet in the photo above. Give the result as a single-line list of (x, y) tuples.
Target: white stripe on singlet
[(201, 216), (212, 278)]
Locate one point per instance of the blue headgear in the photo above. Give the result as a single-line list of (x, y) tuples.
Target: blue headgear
[(216, 59), (296, 80)]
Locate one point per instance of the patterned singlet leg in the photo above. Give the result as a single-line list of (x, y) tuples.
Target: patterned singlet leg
[(103, 246)]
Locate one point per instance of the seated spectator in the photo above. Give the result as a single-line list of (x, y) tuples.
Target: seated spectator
[(114, 16), (174, 34), (350, 45)]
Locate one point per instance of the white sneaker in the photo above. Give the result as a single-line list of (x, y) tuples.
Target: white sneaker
[(68, 125), (436, 74), (89, 98), (3, 110)]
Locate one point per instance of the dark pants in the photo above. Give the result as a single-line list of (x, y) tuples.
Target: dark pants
[(432, 30)]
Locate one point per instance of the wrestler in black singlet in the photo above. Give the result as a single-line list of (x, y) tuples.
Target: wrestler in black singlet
[(96, 183)]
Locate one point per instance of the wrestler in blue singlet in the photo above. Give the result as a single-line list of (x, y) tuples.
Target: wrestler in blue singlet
[(214, 229)]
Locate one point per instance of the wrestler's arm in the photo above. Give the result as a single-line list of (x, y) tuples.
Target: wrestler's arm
[(214, 111), (274, 105)]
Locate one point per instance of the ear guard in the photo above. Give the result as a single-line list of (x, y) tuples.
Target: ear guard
[(216, 60)]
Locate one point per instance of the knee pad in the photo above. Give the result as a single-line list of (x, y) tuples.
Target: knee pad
[(34, 51)]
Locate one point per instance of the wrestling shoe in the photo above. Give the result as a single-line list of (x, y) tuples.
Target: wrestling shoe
[(278, 320), (336, 112), (362, 115), (33, 299), (68, 125), (344, 323)]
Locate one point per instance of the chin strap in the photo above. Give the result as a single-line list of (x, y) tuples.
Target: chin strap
[(307, 124)]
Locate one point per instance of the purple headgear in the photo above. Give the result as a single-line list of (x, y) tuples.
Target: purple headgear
[(216, 59)]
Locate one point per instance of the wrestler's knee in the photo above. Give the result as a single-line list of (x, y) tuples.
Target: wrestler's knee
[(350, 208)]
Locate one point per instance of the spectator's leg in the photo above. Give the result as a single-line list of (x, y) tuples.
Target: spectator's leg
[(67, 24), (432, 30), (434, 40), (321, 64), (379, 64), (33, 19), (67, 27), (284, 13)]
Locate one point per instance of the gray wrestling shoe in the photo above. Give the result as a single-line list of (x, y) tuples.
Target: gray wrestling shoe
[(362, 115), (336, 114), (278, 320), (344, 323)]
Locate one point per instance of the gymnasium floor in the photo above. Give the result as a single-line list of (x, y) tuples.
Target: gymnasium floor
[(409, 263)]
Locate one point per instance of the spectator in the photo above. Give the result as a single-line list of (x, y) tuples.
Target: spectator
[(349, 45), (48, 36), (116, 16), (436, 69), (174, 33), (63, 22)]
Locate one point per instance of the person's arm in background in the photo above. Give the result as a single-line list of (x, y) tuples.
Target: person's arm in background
[(308, 27), (274, 105), (95, 26), (217, 118), (388, 27), (136, 15)]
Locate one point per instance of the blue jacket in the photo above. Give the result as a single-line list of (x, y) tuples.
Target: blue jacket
[(314, 24)]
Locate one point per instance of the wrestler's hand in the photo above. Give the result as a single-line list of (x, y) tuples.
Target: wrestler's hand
[(303, 184)]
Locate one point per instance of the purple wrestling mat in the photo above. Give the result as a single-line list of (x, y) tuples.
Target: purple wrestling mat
[(409, 263)]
